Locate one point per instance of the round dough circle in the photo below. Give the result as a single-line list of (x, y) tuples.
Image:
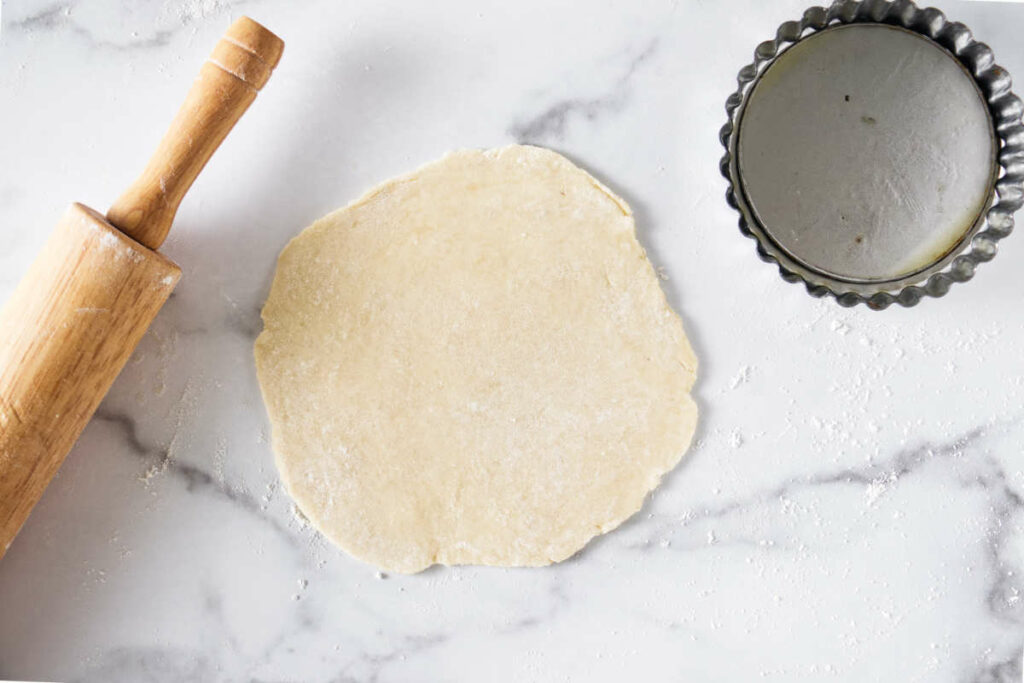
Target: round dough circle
[(474, 364)]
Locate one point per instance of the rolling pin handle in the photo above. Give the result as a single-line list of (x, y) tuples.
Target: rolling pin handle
[(238, 67)]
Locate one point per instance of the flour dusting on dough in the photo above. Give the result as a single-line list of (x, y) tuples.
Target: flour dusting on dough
[(474, 364)]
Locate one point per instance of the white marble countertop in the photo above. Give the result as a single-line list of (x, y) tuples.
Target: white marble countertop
[(853, 509)]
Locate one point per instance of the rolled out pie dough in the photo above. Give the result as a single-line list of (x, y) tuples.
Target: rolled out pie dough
[(474, 364)]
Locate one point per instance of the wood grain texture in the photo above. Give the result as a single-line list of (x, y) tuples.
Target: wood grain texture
[(92, 292), (65, 334), (228, 81)]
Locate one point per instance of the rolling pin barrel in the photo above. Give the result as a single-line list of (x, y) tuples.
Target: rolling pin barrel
[(87, 299), (65, 334)]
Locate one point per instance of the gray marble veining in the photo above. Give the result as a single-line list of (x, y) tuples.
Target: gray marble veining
[(550, 124), (851, 510)]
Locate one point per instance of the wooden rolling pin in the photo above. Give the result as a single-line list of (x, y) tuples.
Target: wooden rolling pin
[(88, 298)]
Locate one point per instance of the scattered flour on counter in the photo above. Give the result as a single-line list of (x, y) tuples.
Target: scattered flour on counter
[(878, 487), (156, 469), (165, 347), (787, 506), (193, 10), (299, 517), (840, 327), (94, 577), (219, 456), (271, 489), (742, 377), (184, 412)]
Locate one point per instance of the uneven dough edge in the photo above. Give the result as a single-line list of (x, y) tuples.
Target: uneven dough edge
[(446, 556), (601, 530)]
